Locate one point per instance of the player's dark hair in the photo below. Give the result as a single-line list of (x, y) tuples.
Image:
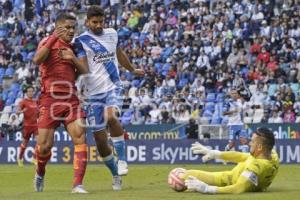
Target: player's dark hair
[(95, 11), (64, 16), (267, 136), (28, 87)]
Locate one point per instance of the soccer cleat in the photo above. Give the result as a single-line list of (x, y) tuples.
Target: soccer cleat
[(20, 162), (117, 183), (122, 168), (38, 183), (79, 189)]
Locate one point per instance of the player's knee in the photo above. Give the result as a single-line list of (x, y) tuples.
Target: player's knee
[(44, 149), (79, 139)]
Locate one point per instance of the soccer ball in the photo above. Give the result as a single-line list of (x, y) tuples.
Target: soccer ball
[(176, 181)]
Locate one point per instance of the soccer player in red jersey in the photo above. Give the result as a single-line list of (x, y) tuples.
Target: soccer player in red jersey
[(28, 107), (58, 101)]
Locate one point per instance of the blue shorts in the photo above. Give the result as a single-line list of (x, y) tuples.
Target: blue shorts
[(235, 131), (96, 105)]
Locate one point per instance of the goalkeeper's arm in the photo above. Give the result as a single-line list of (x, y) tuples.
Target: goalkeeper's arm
[(233, 156), (209, 154), (243, 184)]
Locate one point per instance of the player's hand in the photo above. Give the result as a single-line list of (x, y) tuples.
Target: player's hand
[(195, 185), (198, 148), (66, 54), (209, 154), (139, 72), (60, 31)]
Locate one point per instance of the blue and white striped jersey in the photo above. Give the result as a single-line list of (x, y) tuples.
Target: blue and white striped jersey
[(101, 54)]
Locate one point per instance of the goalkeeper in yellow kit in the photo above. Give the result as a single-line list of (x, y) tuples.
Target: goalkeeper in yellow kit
[(254, 172)]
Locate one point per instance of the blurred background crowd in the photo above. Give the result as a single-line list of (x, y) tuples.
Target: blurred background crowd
[(194, 53)]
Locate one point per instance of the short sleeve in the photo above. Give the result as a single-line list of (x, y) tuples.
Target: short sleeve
[(78, 48), (21, 105)]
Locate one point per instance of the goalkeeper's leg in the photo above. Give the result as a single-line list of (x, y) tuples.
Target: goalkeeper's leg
[(210, 178)]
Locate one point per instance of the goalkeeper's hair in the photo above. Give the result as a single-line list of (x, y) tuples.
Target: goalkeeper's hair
[(267, 137), (94, 11)]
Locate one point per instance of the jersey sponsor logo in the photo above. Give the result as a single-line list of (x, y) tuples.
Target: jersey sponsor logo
[(104, 57), (251, 176)]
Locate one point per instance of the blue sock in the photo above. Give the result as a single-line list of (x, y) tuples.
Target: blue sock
[(111, 164), (119, 144)]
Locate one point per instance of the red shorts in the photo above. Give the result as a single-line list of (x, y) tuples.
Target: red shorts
[(59, 108), (28, 131)]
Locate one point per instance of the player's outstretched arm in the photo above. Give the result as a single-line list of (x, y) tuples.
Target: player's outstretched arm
[(242, 185), (125, 62), (209, 154), (234, 156)]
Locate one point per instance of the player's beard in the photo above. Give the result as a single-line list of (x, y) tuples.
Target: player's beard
[(98, 31)]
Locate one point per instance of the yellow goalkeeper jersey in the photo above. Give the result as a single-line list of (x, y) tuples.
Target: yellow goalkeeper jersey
[(260, 172)]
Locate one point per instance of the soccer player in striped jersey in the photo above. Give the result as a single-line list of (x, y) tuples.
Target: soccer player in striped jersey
[(98, 49)]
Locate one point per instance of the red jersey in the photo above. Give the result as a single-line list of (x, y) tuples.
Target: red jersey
[(58, 75), (30, 112)]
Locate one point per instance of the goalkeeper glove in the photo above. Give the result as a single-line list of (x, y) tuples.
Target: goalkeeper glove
[(209, 154), (195, 185)]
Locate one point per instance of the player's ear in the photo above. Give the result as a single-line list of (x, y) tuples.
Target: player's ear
[(259, 146), (86, 22)]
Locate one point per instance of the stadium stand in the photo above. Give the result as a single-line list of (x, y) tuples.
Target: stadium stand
[(193, 51)]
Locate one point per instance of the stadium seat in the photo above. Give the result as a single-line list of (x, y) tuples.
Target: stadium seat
[(207, 113), (10, 101), (2, 71), (216, 120), (126, 117), (182, 83), (210, 106), (9, 72), (210, 97), (15, 87), (5, 94), (220, 97)]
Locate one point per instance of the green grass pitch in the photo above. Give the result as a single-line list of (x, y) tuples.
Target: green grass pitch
[(143, 182)]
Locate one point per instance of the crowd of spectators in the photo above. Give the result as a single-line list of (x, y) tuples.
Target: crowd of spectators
[(193, 51)]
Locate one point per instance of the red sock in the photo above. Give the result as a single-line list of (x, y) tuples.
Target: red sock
[(79, 163), (41, 161), (22, 150)]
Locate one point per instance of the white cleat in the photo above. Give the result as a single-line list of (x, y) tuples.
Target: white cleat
[(122, 168), (38, 183), (117, 183), (79, 189)]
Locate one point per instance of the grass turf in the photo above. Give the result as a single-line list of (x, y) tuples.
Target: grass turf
[(143, 182)]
